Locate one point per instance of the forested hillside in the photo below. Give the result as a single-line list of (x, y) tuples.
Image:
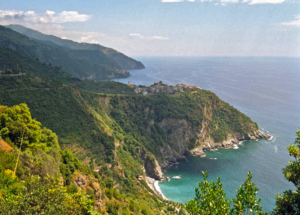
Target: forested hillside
[(76, 111), (37, 176), (107, 139), (77, 63), (94, 52)]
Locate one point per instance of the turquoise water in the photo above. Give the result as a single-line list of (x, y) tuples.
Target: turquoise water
[(265, 89)]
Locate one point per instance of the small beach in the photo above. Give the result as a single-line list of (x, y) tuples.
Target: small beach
[(154, 185)]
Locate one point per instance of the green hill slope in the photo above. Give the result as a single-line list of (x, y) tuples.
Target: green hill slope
[(58, 56), (168, 126), (94, 52), (120, 136)]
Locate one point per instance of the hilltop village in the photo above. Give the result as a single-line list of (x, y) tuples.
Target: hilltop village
[(161, 88)]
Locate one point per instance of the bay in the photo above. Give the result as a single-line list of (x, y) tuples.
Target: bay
[(266, 89)]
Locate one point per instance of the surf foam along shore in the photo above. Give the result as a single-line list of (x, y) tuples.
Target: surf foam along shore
[(156, 185), (153, 184)]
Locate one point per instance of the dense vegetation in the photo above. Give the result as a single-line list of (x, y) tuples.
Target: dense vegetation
[(211, 199), (95, 53), (37, 177), (289, 202), (77, 64), (80, 117), (99, 135), (134, 113), (12, 62)]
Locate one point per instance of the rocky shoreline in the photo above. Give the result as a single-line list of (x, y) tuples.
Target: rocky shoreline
[(231, 143), (157, 168)]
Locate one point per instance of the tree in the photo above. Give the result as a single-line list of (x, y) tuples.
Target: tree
[(211, 199), (46, 196), (16, 124), (246, 202), (289, 202)]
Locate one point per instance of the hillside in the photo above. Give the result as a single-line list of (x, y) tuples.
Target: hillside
[(15, 62), (75, 64), (95, 53), (114, 137), (168, 126), (37, 176)]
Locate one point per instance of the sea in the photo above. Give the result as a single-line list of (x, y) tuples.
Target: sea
[(267, 89)]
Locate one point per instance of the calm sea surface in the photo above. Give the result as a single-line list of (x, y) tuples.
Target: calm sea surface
[(265, 89)]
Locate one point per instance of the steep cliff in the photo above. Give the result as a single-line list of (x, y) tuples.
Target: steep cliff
[(175, 126), (190, 141)]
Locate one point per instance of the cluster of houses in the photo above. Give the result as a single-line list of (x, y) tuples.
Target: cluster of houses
[(162, 88)]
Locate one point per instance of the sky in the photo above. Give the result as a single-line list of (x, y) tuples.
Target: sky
[(167, 27)]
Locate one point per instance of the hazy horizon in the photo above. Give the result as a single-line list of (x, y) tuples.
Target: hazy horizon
[(168, 27)]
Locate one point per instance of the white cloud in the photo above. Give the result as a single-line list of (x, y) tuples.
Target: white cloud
[(169, 1), (137, 35), (251, 2), (47, 17), (264, 1), (293, 23), (160, 38), (228, 1), (148, 38)]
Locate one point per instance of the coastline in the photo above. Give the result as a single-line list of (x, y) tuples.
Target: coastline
[(231, 143), (153, 184)]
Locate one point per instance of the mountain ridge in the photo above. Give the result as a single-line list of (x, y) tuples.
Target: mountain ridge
[(75, 64), (117, 56)]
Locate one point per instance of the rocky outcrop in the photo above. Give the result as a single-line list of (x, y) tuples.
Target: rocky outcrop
[(151, 165), (188, 140), (198, 152), (86, 182), (153, 169)]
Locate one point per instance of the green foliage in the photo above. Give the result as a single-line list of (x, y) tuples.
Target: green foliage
[(289, 202), (211, 199), (134, 114), (41, 156), (95, 53), (90, 125), (40, 163), (8, 160), (108, 87), (43, 161), (16, 123), (112, 207), (69, 165), (72, 189), (18, 63), (45, 197), (9, 184), (246, 202), (78, 65), (76, 125)]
